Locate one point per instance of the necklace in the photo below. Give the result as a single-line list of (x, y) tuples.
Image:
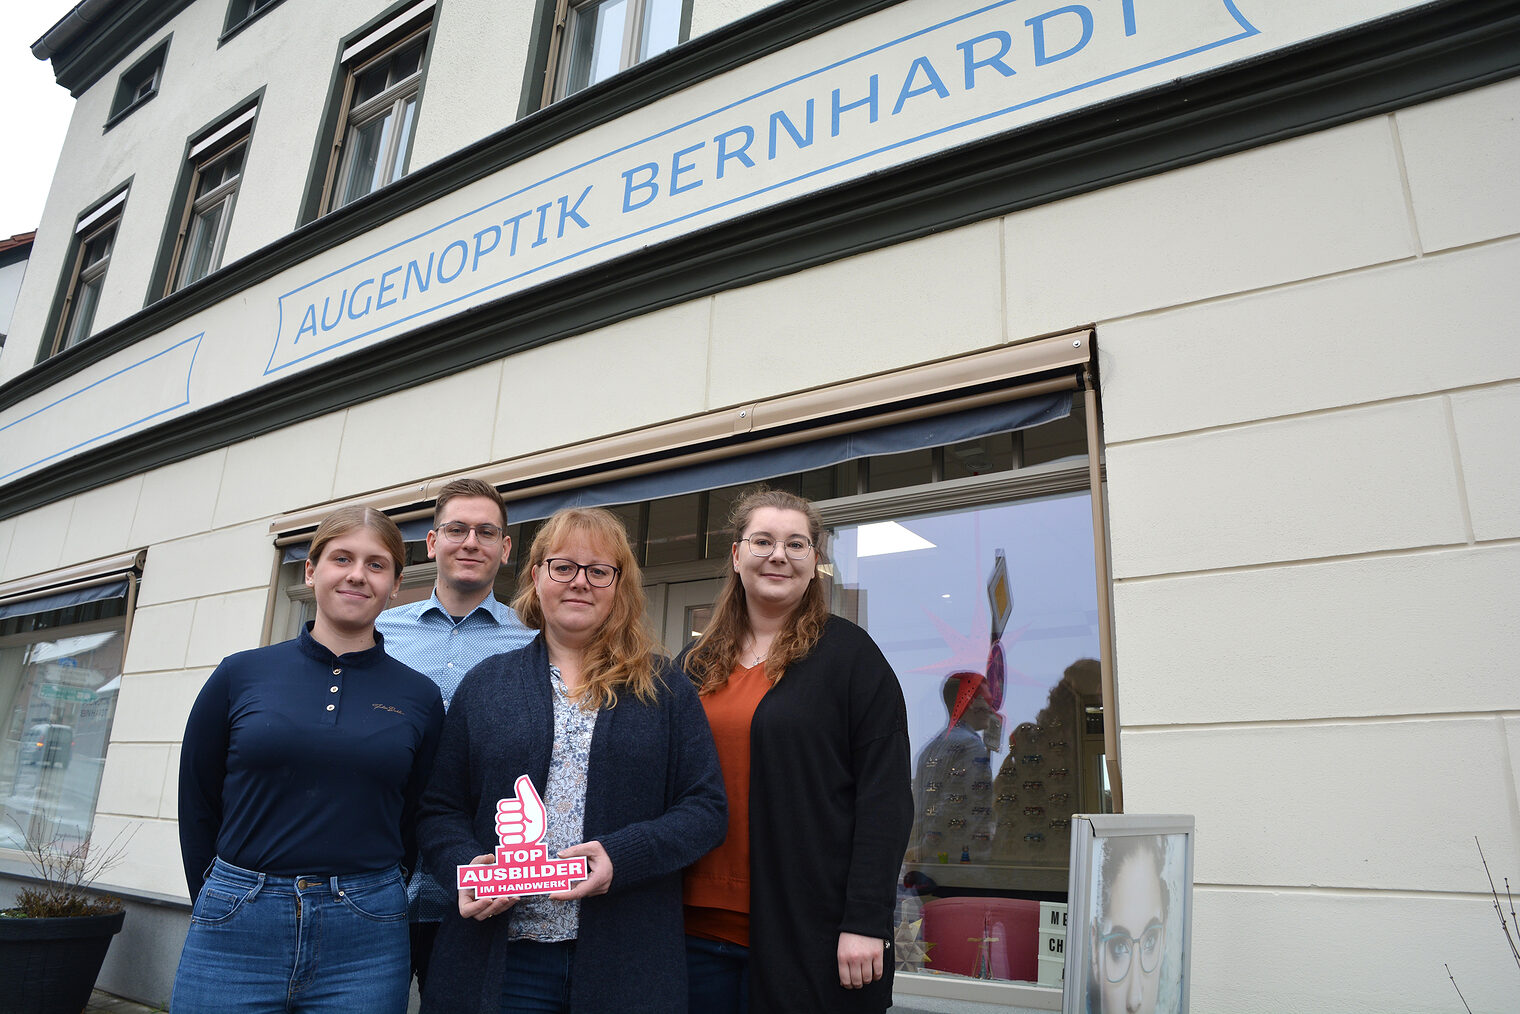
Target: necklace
[(756, 654)]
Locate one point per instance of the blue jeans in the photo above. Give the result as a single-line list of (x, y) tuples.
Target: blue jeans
[(262, 944), (538, 977), (717, 977)]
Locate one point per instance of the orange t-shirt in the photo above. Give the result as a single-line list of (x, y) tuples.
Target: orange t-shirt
[(717, 885)]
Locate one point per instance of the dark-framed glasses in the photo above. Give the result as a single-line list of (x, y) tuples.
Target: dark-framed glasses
[(458, 531), (1119, 950), (763, 545), (598, 575)]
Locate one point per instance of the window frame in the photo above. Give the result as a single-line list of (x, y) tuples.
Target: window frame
[(203, 151), (543, 76), (380, 39), (106, 214), (147, 70), (242, 13)]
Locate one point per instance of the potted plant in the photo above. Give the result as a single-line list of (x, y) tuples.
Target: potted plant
[(53, 942)]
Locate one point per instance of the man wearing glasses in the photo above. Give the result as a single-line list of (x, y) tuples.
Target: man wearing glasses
[(446, 635)]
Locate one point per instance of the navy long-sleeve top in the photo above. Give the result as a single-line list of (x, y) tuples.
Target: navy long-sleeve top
[(298, 761)]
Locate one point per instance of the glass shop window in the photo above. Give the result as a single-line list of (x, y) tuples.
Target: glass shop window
[(60, 670), (989, 616)]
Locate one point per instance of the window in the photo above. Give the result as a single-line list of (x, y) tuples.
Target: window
[(94, 238), (138, 84), (60, 669), (378, 108), (598, 38), (216, 169), (241, 12)]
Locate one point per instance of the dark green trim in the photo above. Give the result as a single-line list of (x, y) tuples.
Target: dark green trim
[(159, 54), (333, 111), (531, 96), (158, 282), (130, 25), (230, 30), (61, 291), (1432, 51)]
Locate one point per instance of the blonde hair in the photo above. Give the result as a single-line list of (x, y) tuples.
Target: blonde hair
[(621, 654), (715, 655), (346, 519)]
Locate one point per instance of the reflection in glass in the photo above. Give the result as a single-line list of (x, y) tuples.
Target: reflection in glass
[(990, 722), (57, 698)]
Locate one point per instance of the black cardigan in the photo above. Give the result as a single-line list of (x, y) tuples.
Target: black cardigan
[(654, 799), (830, 809)]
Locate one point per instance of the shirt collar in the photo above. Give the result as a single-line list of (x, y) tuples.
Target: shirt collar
[(312, 648), (490, 608)]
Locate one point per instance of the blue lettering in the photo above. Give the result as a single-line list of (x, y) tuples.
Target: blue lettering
[(799, 139), (1129, 17), (353, 300), (967, 48), (338, 319), (480, 252), (677, 170), (933, 84), (543, 217), (424, 278), (748, 133), (514, 222), (870, 100), (647, 184), (464, 253), (381, 302), (1041, 57), (568, 213), (308, 322)]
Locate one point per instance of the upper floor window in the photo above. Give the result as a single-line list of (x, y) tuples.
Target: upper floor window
[(138, 83), (240, 12), (94, 239), (601, 37), (216, 169), (383, 79)]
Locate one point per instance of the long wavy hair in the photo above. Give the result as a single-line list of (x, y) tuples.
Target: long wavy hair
[(621, 655), (716, 653)]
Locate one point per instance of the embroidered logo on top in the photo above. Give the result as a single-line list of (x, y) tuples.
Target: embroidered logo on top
[(387, 707)]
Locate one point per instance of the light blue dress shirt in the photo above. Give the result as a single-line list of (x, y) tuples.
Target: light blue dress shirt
[(424, 636)]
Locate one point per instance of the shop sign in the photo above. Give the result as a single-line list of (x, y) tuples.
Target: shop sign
[(911, 81), (59, 692)]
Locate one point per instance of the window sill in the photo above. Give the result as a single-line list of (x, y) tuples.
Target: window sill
[(116, 118), (231, 31)]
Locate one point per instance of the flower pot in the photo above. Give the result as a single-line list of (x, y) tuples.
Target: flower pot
[(49, 966)]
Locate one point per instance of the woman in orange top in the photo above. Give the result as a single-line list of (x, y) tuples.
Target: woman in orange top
[(793, 912)]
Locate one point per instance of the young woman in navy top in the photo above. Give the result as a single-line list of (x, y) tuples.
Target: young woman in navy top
[(300, 773)]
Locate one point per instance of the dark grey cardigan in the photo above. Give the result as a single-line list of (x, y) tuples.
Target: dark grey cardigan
[(654, 799)]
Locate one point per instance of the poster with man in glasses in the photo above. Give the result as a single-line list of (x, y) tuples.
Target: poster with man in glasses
[(1132, 877)]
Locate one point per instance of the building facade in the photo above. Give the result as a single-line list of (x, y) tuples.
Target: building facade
[(1152, 361)]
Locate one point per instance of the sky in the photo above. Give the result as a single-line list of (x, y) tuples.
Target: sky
[(34, 116)]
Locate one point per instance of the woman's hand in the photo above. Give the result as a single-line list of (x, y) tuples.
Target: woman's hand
[(484, 908), (598, 872), (861, 959)]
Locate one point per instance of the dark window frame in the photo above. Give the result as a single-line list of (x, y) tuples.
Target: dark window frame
[(542, 77), (402, 23), (241, 14), (165, 279), (130, 94), (60, 319)]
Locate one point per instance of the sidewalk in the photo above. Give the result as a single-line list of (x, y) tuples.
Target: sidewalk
[(105, 1003)]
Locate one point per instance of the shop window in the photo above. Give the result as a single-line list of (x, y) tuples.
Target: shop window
[(137, 84), (377, 107), (89, 258), (60, 670), (590, 40), (214, 172), (999, 598)]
